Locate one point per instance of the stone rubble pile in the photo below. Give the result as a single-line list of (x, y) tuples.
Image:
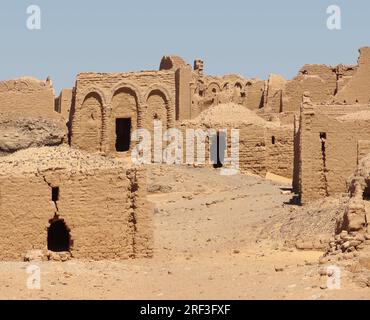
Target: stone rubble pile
[(345, 246)]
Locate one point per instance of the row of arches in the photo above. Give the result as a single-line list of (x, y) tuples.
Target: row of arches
[(105, 124), (216, 87), (107, 97)]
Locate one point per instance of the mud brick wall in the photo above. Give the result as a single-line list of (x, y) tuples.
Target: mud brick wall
[(274, 96), (252, 156), (257, 154), (28, 97), (319, 80), (280, 151), (328, 146), (64, 103), (101, 98), (105, 210), (356, 90), (209, 91)]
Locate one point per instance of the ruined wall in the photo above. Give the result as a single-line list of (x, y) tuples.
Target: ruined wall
[(141, 96), (172, 63), (344, 75), (184, 84), (252, 150), (208, 91), (211, 91), (264, 146), (105, 210), (255, 92), (28, 97), (356, 89), (280, 150), (274, 96), (64, 103), (319, 80), (198, 89), (328, 146), (184, 78), (258, 153), (340, 84), (27, 115)]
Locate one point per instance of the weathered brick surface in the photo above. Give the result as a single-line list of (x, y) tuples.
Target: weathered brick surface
[(103, 97), (324, 172), (105, 209)]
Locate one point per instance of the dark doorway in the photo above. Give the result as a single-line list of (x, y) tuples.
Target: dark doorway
[(59, 238), (218, 147), (123, 134)]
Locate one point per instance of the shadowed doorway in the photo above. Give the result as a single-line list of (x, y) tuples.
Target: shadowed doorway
[(59, 238), (123, 134)]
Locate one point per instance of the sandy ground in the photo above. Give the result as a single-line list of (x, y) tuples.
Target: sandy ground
[(207, 231)]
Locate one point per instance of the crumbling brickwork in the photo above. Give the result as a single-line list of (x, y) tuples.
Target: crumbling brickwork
[(356, 89), (101, 201), (328, 147), (263, 146), (63, 103), (28, 97), (274, 95), (319, 80)]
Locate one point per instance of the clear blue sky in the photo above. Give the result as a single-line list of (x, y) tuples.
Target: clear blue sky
[(252, 38)]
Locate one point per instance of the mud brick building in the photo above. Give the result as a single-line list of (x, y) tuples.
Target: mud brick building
[(64, 200)]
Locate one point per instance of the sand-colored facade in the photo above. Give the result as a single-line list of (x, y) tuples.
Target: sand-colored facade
[(331, 141), (27, 96), (314, 129), (332, 136), (100, 202), (261, 146), (101, 99)]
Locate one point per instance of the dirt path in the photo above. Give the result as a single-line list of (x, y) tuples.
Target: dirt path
[(206, 247)]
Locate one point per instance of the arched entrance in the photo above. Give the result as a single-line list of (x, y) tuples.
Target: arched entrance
[(124, 119), (59, 238)]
